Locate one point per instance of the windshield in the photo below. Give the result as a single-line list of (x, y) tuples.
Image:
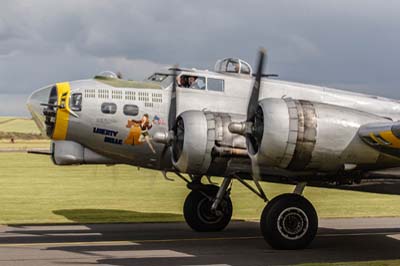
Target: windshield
[(164, 79), (157, 77)]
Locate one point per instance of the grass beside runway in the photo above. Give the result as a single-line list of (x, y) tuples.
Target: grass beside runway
[(20, 144), (358, 263), (33, 190), (25, 133), (18, 124)]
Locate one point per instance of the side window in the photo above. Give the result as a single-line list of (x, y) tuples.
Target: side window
[(76, 102), (192, 82), (108, 108), (215, 84), (131, 110), (198, 83)]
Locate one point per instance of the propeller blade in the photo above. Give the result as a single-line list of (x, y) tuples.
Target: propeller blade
[(255, 170), (171, 115), (162, 156), (253, 101), (251, 113), (172, 106)]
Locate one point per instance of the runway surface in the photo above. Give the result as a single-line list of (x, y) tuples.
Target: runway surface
[(162, 244)]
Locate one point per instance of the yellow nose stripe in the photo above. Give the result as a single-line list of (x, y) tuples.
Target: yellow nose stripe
[(62, 117)]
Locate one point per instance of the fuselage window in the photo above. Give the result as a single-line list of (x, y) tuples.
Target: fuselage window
[(108, 108), (215, 84), (192, 82), (76, 102), (131, 110)]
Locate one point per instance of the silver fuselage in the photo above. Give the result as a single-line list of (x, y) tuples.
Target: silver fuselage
[(155, 102)]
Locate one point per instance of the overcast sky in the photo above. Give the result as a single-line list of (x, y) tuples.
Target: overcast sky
[(354, 45)]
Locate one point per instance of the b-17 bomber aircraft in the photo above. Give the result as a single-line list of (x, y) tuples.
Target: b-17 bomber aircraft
[(227, 123)]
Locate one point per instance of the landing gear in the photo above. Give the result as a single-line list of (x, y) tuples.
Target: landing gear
[(208, 208), (289, 221)]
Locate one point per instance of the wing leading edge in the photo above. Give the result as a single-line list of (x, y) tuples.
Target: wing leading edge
[(383, 136)]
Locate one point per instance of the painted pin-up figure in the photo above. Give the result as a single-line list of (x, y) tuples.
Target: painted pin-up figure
[(139, 131)]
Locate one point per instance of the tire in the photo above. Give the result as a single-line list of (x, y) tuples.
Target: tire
[(198, 214), (289, 221)]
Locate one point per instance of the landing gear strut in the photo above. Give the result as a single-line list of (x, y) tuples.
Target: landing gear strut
[(288, 221)]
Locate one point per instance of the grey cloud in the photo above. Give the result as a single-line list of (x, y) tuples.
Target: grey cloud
[(351, 44)]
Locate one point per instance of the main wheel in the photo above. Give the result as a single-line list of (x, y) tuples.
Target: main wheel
[(289, 221), (198, 214)]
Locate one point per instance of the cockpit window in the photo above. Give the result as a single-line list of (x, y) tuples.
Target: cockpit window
[(158, 77), (76, 102), (163, 79), (191, 82)]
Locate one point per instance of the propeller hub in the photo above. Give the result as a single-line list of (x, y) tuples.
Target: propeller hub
[(163, 137), (241, 128)]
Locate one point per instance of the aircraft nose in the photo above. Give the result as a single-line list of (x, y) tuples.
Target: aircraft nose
[(35, 105)]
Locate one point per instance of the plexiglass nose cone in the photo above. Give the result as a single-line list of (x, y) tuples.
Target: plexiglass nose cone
[(35, 107)]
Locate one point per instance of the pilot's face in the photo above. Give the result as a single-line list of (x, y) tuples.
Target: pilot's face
[(191, 80)]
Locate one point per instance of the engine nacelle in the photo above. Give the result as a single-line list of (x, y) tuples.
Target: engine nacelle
[(201, 136), (70, 153), (304, 135)]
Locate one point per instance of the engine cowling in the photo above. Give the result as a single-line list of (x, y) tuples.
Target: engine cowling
[(200, 137), (304, 135)]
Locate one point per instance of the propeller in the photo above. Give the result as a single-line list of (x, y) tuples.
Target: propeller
[(171, 115), (250, 128), (254, 136), (255, 92), (172, 106)]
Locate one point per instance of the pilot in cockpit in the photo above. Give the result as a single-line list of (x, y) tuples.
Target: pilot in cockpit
[(192, 82), (182, 81)]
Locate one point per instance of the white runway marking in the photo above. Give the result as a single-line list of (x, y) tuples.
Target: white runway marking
[(139, 241), (396, 236)]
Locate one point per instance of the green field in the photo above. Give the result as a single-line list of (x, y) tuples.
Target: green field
[(24, 132), (24, 144), (21, 125), (36, 191)]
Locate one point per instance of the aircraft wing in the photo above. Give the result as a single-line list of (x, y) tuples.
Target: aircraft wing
[(383, 136)]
